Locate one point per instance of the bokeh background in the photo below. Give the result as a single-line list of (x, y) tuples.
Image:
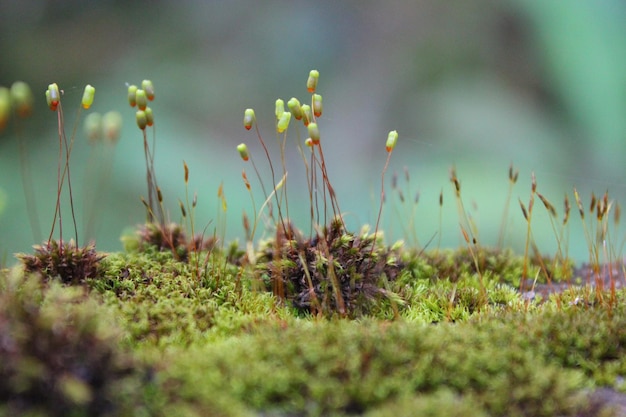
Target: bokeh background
[(477, 84)]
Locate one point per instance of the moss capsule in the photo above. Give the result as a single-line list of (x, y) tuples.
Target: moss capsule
[(317, 105), (248, 118), (132, 95), (149, 116), (314, 133), (148, 87), (142, 119), (142, 99), (308, 142), (311, 82), (242, 148), (88, 96), (22, 98), (295, 108), (280, 108), (307, 115), (283, 122), (392, 138), (53, 96)]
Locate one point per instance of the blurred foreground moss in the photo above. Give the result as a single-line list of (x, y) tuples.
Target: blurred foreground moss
[(61, 353)]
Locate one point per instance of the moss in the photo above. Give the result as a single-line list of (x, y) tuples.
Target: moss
[(592, 339), (217, 345), (253, 356), (60, 353), (332, 273), (64, 260), (163, 302), (441, 403), (166, 237), (338, 367)]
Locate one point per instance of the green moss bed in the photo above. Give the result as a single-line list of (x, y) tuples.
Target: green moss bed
[(151, 335)]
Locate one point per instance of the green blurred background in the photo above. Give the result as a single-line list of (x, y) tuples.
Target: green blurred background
[(478, 84)]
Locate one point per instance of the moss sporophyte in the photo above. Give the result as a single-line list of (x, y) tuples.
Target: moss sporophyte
[(311, 321)]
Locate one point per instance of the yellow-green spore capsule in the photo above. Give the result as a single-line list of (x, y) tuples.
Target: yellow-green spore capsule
[(392, 138), (280, 108), (242, 148), (112, 126), (149, 116), (53, 96), (88, 96), (283, 122), (248, 118), (317, 105), (307, 115), (142, 99), (93, 127), (295, 108), (314, 133), (148, 87), (311, 82), (5, 107), (22, 98), (132, 95), (142, 120)]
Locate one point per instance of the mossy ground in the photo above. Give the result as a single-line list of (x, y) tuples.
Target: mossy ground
[(330, 324), (149, 335)]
